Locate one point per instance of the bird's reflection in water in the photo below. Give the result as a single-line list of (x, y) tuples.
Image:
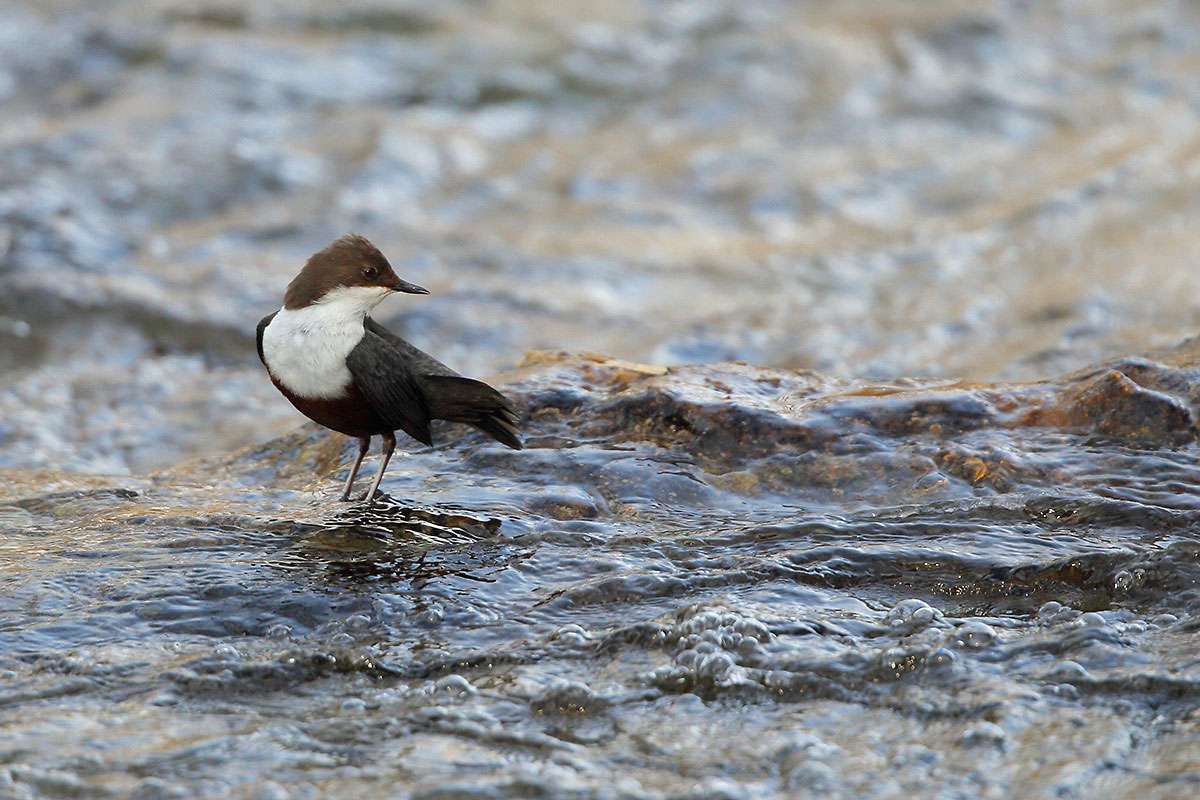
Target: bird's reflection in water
[(393, 541)]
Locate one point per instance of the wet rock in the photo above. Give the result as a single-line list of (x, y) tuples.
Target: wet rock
[(1113, 404)]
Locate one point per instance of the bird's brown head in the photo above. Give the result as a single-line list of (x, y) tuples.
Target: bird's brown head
[(349, 267)]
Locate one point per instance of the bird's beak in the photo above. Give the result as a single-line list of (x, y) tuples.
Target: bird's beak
[(397, 285)]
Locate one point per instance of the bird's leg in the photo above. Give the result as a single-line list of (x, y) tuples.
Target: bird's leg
[(389, 445), (364, 444)]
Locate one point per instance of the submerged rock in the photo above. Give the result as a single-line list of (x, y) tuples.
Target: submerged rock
[(1134, 399)]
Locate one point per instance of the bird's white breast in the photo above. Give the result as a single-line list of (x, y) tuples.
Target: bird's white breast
[(306, 348)]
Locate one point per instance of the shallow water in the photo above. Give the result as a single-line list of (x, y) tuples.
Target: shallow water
[(692, 584), (717, 581)]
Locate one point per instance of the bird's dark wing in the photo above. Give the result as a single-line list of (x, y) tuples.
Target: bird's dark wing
[(420, 362), (262, 326), (383, 375), (459, 399), (452, 397)]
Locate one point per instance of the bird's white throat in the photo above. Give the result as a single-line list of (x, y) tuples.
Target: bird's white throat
[(305, 348)]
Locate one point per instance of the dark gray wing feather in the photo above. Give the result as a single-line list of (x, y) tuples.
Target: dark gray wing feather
[(452, 397), (262, 326), (382, 374), (420, 362), (459, 399)]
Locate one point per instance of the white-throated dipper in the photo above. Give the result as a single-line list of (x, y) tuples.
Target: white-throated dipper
[(345, 371)]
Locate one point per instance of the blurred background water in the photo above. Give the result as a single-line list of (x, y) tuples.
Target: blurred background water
[(946, 595), (874, 189)]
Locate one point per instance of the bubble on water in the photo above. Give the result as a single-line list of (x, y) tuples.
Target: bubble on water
[(430, 617), (941, 658), (984, 734), (714, 666), (279, 631), (668, 678), (227, 651), (353, 704), (899, 661), (1092, 620), (568, 697), (715, 648), (1055, 612), (975, 634), (802, 745), (1164, 620), (358, 622), (923, 616), (1050, 609), (571, 636), (912, 615), (341, 639), (1066, 691), (1123, 581), (752, 628), (455, 685), (1068, 670)]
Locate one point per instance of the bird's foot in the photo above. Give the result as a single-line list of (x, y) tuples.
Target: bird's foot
[(371, 498)]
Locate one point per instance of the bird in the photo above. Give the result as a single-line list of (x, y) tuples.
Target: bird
[(345, 371)]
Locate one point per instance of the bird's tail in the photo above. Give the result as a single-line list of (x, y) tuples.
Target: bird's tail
[(459, 399)]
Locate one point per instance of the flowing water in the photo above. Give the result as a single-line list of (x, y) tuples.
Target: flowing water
[(878, 563)]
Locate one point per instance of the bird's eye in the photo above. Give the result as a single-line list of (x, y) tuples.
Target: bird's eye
[(370, 273)]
